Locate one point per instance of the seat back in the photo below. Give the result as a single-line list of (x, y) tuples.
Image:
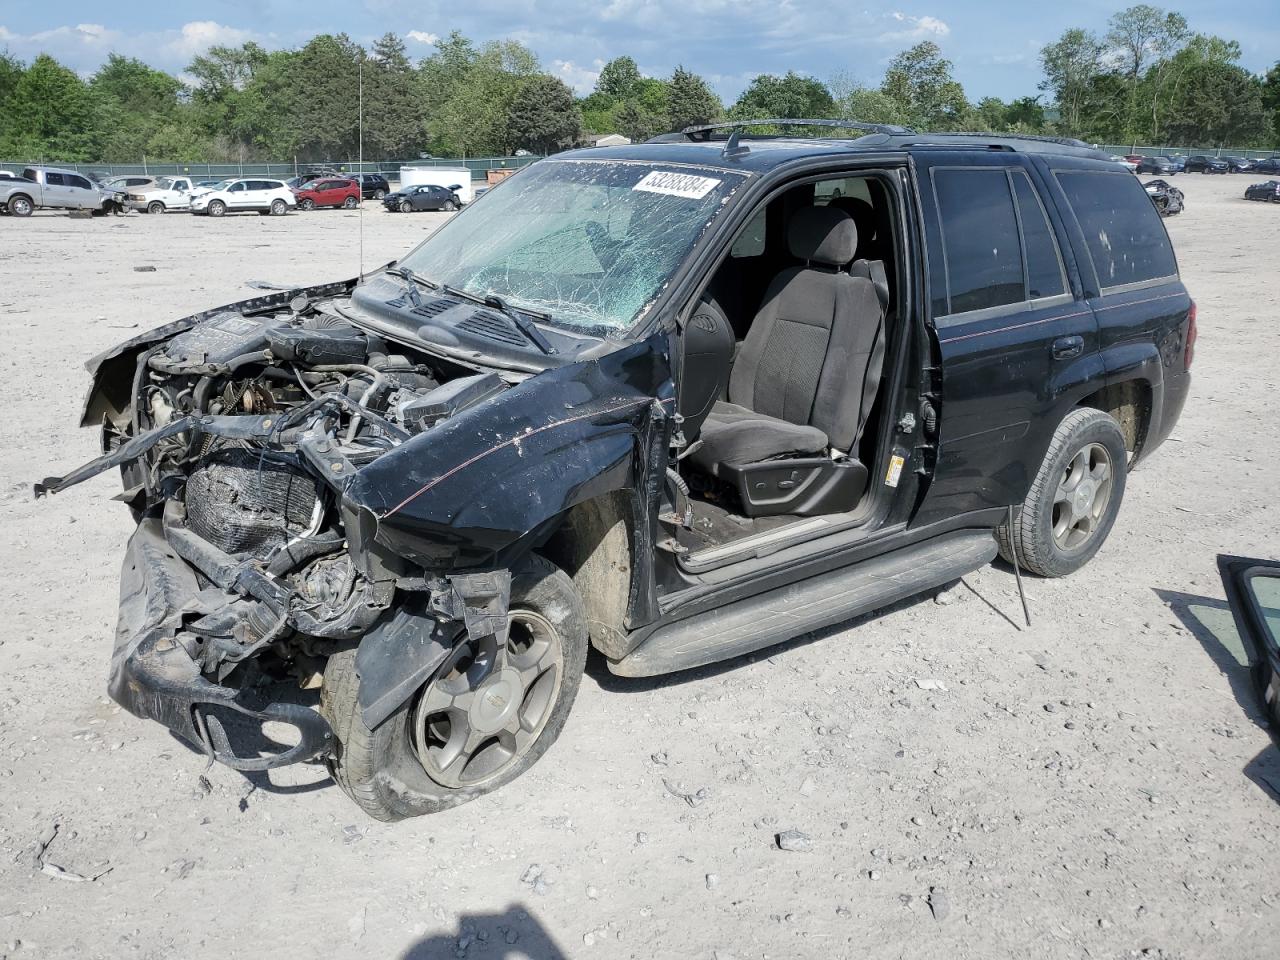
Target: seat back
[(813, 346)]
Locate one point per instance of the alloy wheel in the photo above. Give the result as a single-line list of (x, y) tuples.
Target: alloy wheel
[(1083, 494), (489, 703)]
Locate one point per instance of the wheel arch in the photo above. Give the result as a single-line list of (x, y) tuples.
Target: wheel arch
[(1130, 404)]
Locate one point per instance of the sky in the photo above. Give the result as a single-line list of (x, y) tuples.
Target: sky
[(994, 46)]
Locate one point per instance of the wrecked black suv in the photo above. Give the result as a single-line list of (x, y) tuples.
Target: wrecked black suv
[(677, 401)]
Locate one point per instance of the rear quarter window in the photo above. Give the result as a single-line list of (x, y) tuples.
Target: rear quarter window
[(1126, 240)]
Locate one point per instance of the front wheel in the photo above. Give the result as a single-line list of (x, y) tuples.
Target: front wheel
[(217, 208), (405, 206), (483, 719), (1073, 500), (155, 206), (278, 208), (307, 204)]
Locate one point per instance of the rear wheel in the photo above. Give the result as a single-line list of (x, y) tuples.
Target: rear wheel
[(379, 194), (350, 203), (450, 206), (217, 208), (20, 206), (1074, 499), (486, 716), (155, 206), (279, 208)]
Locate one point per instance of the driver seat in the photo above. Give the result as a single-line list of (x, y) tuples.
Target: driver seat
[(797, 387)]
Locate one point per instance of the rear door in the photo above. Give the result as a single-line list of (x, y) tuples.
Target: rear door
[(1253, 593), (56, 192), (1016, 340)]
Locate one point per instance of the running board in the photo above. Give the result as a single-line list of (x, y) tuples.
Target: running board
[(785, 612)]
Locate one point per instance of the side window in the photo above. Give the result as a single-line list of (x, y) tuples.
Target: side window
[(237, 187), (54, 179), (979, 239), (80, 182), (29, 174), (1045, 276), (751, 240), (1122, 229)]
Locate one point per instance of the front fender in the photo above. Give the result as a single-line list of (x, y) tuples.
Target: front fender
[(480, 488)]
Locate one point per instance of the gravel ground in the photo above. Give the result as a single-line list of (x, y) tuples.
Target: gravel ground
[(1095, 786)]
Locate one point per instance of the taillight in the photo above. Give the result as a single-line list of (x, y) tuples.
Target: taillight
[(1189, 352)]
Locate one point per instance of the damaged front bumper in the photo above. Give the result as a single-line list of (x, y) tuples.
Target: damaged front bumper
[(154, 674)]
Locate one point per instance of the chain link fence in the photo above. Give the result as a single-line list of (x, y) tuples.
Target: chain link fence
[(1125, 150)]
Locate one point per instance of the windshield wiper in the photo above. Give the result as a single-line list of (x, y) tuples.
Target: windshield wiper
[(411, 281), (520, 318)]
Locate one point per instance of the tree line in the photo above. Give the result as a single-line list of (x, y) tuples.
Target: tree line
[(1148, 78)]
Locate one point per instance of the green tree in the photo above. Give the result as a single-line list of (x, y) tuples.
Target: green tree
[(690, 101), (131, 101), (479, 86), (646, 112), (50, 115), (1270, 100), (1070, 63), (920, 81), (394, 121), (544, 116), (791, 96), (618, 78)]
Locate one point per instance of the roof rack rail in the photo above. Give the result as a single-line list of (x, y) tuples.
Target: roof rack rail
[(1034, 137), (703, 132)]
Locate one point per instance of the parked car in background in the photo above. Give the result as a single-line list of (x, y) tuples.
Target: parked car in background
[(426, 196), (1269, 165), (1135, 158), (166, 193), (1167, 198), (1238, 164), (328, 193), (1267, 190), (44, 188), (373, 186), (1162, 166), (1179, 162), (1204, 164), (124, 183), (250, 193), (1127, 162)]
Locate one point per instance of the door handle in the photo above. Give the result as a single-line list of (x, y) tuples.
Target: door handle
[(1067, 348)]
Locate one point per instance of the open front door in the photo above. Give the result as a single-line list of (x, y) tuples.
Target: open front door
[(1253, 593)]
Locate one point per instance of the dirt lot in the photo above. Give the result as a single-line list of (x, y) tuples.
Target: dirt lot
[(1094, 786)]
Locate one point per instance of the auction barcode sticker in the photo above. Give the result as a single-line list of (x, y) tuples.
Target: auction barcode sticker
[(677, 184)]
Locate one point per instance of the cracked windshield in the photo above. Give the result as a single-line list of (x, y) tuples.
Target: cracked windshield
[(590, 243)]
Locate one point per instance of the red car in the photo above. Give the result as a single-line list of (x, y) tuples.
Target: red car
[(328, 193)]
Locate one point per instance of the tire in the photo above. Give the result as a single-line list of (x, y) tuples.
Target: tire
[(1093, 436), (406, 206), (155, 206), (279, 208), (450, 206), (216, 208), (306, 204), (379, 194), (350, 203), (383, 769)]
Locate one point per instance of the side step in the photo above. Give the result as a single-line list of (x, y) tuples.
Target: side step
[(786, 612)]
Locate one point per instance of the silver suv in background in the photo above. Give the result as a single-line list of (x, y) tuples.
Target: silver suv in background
[(43, 188)]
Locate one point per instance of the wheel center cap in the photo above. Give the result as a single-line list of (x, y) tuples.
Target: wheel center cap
[(496, 702), (1084, 497)]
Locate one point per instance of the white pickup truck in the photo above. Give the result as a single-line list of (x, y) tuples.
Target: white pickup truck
[(42, 188), (166, 193)]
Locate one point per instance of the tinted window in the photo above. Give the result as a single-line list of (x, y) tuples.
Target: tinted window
[(29, 174), (80, 182), (53, 179), (1045, 277), (980, 240), (1126, 239), (237, 187)]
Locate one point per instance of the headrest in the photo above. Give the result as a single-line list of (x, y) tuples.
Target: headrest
[(822, 235), (864, 215)]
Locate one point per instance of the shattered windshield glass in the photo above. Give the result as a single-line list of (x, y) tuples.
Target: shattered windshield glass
[(589, 242)]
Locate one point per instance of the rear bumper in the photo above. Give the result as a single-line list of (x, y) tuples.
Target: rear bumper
[(154, 676)]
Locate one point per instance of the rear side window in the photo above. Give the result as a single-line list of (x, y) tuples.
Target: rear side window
[(979, 239), (1123, 231), (1045, 276), (53, 179)]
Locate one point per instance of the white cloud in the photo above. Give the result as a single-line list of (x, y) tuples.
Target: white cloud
[(582, 80), (915, 28), (84, 46), (422, 36)]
